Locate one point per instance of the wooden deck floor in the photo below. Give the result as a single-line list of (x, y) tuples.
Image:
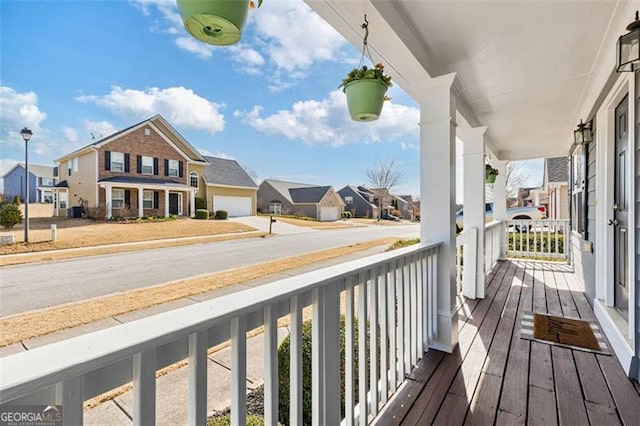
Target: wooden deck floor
[(495, 377)]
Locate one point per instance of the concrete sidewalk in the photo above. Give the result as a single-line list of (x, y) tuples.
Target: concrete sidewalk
[(261, 223), (172, 387)]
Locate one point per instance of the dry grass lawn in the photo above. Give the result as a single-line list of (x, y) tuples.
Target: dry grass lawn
[(73, 233), (19, 327)]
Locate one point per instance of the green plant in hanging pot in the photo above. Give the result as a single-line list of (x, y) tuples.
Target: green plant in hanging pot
[(490, 174), (366, 90), (217, 22)]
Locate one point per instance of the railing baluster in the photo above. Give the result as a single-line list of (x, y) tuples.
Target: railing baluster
[(420, 301), (198, 378), (270, 366), (433, 256), (413, 273), (144, 388), (69, 394), (317, 360), (362, 348), (373, 341), (400, 335), (406, 287), (384, 310), (238, 372), (349, 380), (295, 372), (393, 325)]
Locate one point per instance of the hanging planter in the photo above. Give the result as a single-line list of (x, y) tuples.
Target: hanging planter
[(217, 22), (490, 174), (365, 87)]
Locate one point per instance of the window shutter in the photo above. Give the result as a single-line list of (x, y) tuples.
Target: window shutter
[(126, 163), (107, 160), (166, 167), (155, 166), (127, 198), (139, 164), (181, 169), (156, 199)]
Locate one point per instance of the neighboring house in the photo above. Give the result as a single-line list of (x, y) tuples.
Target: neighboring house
[(229, 187), (358, 201), (42, 180), (410, 207), (319, 202), (556, 186), (147, 169)]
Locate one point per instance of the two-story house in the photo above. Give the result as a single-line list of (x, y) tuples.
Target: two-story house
[(148, 169), (42, 179)]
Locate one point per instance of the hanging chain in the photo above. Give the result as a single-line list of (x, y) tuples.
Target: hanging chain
[(365, 45)]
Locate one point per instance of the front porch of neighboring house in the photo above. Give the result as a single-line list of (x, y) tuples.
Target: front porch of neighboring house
[(123, 199)]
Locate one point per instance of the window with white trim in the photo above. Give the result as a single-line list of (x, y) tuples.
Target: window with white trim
[(173, 168), (47, 182), (147, 200), (147, 165), (348, 199), (117, 198), (275, 208), (62, 200), (193, 179), (117, 162)]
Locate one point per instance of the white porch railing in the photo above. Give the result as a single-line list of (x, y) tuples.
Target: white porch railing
[(466, 253), (391, 296), (493, 242), (538, 239)]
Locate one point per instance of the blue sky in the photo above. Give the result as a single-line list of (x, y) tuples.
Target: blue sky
[(70, 69)]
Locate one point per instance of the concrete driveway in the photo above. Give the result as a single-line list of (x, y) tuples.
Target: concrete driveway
[(261, 223)]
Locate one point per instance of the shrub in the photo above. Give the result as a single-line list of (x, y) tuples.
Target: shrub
[(97, 213), (201, 203), (226, 421), (10, 215), (16, 200), (221, 214), (346, 215), (283, 372), (202, 214)]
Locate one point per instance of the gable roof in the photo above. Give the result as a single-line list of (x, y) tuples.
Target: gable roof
[(194, 154), (35, 169), (221, 171), (298, 193), (557, 169), (357, 192)]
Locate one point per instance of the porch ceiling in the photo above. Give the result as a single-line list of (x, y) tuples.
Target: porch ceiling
[(530, 69)]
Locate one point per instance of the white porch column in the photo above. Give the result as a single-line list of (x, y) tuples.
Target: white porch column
[(438, 195), (166, 203), (500, 200), (140, 202), (474, 201), (192, 204), (107, 201)]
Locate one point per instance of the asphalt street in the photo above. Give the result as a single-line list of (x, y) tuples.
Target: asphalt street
[(29, 287)]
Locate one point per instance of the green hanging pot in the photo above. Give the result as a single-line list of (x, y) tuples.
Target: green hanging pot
[(217, 22), (490, 178), (365, 98)]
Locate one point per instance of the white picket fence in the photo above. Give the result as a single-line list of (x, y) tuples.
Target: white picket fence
[(538, 239), (392, 298)]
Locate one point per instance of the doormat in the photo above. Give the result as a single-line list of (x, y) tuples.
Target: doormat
[(566, 332)]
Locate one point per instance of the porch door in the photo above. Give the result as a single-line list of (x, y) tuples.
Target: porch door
[(173, 203), (620, 210)]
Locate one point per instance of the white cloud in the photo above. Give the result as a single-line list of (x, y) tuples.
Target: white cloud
[(249, 59), (167, 8), (192, 45), (70, 133), (217, 154), (98, 129), (327, 122), (20, 110), (294, 36), (179, 105)]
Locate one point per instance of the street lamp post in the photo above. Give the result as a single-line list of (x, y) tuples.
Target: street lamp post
[(26, 135)]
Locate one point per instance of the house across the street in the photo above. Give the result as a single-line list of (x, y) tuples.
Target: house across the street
[(149, 169), (319, 202), (42, 179)]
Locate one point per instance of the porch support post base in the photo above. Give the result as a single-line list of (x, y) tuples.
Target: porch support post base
[(500, 201), (437, 101)]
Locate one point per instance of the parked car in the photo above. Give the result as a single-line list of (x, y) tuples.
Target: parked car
[(389, 216), (514, 213)]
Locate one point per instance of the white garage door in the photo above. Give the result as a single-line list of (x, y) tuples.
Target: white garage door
[(235, 206), (328, 213)]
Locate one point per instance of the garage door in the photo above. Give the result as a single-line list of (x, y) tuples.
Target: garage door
[(235, 206), (328, 213)]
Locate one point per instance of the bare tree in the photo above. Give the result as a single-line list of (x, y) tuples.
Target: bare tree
[(516, 179), (383, 176)]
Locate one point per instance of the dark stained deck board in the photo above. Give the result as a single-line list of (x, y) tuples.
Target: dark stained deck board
[(520, 381)]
